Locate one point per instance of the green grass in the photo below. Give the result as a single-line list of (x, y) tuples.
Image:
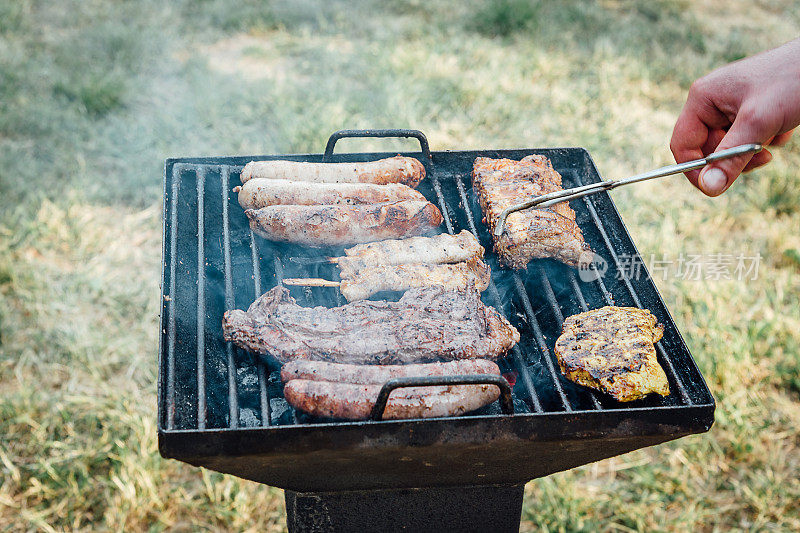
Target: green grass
[(95, 95)]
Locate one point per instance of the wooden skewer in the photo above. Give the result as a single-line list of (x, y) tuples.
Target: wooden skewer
[(310, 282), (313, 260)]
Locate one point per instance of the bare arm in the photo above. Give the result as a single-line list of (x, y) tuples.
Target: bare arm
[(756, 99)]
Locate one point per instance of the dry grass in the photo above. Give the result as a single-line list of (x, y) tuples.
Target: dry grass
[(94, 95)]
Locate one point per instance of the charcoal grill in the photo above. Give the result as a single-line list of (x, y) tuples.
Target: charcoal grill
[(222, 408)]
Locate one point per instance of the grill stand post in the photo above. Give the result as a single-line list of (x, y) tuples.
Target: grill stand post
[(482, 508)]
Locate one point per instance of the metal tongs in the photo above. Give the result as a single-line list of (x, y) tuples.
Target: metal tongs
[(546, 200)]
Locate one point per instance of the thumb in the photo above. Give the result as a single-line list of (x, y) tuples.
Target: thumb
[(716, 177)]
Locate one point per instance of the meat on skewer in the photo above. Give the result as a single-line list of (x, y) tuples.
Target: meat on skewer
[(450, 261), (425, 325), (439, 249), (371, 280), (260, 192), (398, 169), (374, 279)]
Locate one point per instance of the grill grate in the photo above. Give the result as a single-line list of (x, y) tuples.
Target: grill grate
[(225, 387), (223, 408)]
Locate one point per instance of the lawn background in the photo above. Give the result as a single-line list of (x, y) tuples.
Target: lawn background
[(95, 95)]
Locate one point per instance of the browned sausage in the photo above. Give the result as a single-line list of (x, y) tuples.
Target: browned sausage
[(398, 169), (355, 402), (258, 193), (379, 374), (324, 225)]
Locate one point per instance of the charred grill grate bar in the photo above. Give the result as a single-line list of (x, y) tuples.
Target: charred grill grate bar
[(233, 397), (201, 303), (223, 408)]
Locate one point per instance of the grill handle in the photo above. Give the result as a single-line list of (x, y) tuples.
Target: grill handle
[(506, 402), (342, 134)]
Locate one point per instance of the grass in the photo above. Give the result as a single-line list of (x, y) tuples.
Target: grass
[(95, 95)]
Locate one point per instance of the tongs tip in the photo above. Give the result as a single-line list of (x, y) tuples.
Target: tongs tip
[(500, 223), (731, 152)]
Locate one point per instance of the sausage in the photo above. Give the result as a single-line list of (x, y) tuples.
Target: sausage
[(355, 402), (324, 225), (337, 390), (379, 374), (259, 192), (398, 169)]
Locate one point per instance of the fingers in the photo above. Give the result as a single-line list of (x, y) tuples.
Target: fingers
[(783, 138), (718, 176), (688, 138), (699, 129), (715, 137), (715, 179), (759, 160)]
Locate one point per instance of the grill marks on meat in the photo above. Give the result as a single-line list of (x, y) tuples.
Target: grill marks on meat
[(424, 325), (531, 233), (398, 169), (323, 225), (259, 192), (612, 350), (335, 390)]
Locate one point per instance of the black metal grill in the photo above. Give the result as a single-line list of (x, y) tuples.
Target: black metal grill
[(223, 408)]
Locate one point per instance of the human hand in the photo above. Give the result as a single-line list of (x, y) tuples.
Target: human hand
[(755, 100)]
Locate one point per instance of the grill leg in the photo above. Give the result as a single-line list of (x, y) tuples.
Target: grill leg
[(493, 508)]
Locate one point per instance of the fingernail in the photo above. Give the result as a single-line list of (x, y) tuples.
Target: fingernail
[(713, 181)]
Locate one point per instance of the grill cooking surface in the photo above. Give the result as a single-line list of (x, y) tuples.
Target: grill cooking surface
[(213, 262)]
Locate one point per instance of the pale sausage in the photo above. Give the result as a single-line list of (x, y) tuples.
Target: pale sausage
[(398, 169), (258, 193)]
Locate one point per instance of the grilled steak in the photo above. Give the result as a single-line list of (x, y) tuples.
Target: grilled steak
[(321, 225), (443, 248), (424, 325), (349, 391), (532, 233), (398, 169), (611, 349)]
